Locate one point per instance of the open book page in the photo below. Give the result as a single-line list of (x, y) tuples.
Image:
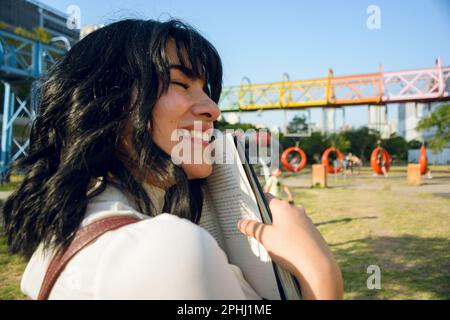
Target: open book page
[(233, 199), (208, 220), (290, 285)]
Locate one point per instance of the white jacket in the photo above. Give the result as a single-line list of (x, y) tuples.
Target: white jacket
[(162, 257)]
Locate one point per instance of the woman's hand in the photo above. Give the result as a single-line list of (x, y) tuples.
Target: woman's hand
[(297, 246)]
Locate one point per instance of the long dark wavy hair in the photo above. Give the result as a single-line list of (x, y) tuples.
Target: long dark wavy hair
[(74, 142)]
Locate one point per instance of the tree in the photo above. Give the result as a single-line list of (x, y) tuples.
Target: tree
[(298, 124), (315, 145), (414, 144), (440, 121), (396, 146), (362, 141), (339, 141), (223, 125)]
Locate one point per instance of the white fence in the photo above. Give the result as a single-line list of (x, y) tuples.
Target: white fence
[(442, 157)]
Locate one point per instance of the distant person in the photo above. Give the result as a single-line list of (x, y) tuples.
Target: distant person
[(349, 167), (265, 169), (294, 161), (344, 166), (317, 158), (338, 163), (382, 164), (356, 162), (275, 184)]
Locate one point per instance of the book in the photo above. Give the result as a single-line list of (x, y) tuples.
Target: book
[(232, 192)]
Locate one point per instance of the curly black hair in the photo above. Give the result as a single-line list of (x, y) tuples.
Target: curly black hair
[(83, 104)]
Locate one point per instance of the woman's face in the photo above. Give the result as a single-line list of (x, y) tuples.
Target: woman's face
[(178, 108)]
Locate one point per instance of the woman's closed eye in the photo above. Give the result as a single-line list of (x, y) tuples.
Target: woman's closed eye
[(181, 84)]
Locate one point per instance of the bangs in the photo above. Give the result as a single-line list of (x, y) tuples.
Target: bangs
[(194, 52)]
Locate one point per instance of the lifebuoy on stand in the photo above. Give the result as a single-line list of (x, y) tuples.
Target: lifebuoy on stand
[(374, 163), (326, 163), (287, 163), (423, 162)]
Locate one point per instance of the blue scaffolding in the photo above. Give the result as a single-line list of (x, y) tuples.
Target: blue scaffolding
[(23, 62)]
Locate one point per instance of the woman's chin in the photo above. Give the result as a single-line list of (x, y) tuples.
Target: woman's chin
[(197, 171)]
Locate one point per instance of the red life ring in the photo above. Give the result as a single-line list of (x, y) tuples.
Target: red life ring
[(386, 159), (423, 160), (326, 163), (287, 165)]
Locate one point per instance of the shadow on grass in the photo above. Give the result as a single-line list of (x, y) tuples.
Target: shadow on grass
[(345, 220), (411, 267), (442, 195)]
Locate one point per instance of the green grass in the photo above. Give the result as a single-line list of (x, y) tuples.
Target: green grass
[(406, 235), (11, 269), (10, 186), (11, 266), (15, 181)]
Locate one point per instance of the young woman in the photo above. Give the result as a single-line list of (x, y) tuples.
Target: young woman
[(101, 147)]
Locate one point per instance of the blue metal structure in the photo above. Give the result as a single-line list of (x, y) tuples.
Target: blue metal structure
[(23, 62)]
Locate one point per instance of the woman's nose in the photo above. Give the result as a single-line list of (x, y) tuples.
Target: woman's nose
[(207, 109)]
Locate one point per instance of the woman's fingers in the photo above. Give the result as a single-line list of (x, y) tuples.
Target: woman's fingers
[(253, 229), (273, 202), (278, 207)]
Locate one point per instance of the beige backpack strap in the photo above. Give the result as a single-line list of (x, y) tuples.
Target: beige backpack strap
[(83, 237)]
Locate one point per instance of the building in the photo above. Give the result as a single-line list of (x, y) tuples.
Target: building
[(328, 120), (409, 115), (29, 14), (378, 120)]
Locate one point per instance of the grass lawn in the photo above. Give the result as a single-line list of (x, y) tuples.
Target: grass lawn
[(14, 182), (406, 234), (11, 269), (11, 266)]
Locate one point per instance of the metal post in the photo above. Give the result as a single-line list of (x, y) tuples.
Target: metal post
[(5, 144), (343, 117), (334, 119), (309, 122), (12, 100), (37, 59)]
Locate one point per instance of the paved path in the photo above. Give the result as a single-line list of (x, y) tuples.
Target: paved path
[(5, 194), (396, 182)]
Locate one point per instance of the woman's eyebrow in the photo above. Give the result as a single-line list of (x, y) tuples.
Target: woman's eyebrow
[(188, 72)]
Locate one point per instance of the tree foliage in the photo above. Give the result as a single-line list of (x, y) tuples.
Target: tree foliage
[(223, 125), (396, 146), (298, 124), (439, 120), (362, 141)]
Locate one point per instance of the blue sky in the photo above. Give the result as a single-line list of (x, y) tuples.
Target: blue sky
[(263, 39)]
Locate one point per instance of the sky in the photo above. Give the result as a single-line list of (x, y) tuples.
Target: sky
[(263, 39)]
